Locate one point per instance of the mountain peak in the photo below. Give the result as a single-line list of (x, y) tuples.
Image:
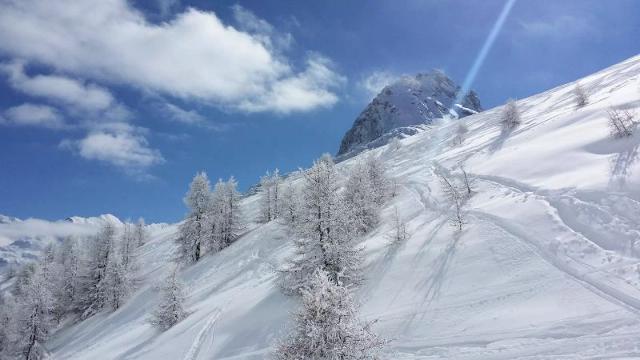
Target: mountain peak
[(409, 101)]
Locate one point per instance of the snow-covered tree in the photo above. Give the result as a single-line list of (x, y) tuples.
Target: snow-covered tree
[(116, 284), (326, 238), (366, 189), (170, 310), (510, 115), (360, 196), (195, 230), (225, 214), (6, 312), (378, 178), (582, 99), (140, 233), (67, 295), (327, 326), (23, 278), (33, 318), (270, 196), (93, 296), (289, 204), (128, 243), (621, 123)]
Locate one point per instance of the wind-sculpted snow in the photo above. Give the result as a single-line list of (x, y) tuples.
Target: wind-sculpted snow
[(547, 265)]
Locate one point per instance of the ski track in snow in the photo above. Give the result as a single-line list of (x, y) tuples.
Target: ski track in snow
[(205, 333)]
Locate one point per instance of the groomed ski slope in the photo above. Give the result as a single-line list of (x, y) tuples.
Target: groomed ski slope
[(546, 268)]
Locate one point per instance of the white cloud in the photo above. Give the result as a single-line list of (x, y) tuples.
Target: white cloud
[(118, 144), (260, 29), (179, 114), (561, 27), (306, 90), (33, 115), (58, 88), (194, 56), (376, 81), (166, 6)]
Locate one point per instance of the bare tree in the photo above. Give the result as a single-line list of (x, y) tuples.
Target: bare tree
[(455, 196), (621, 123), (510, 115), (461, 131), (399, 234), (468, 182), (581, 96)]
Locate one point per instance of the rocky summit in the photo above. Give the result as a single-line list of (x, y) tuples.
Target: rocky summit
[(410, 101)]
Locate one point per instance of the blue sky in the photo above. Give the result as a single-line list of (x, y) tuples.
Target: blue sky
[(113, 106)]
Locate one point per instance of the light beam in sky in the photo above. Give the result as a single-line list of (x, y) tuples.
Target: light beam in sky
[(486, 47)]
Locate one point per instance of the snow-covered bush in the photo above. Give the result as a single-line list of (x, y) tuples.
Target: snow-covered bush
[(581, 97), (170, 310), (510, 115), (621, 123), (327, 326)]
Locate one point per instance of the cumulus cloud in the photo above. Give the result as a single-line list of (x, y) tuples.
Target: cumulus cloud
[(260, 29), (63, 89), (33, 115), (193, 56), (376, 81), (118, 144), (303, 91)]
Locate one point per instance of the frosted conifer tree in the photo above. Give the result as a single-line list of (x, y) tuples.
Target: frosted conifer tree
[(93, 295), (378, 178), (327, 326), (326, 236), (360, 195), (70, 259), (170, 310), (270, 196), (195, 230), (225, 214), (290, 204), (116, 283), (33, 318)]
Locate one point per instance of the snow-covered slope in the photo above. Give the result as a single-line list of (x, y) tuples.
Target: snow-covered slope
[(547, 267), (400, 106)]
